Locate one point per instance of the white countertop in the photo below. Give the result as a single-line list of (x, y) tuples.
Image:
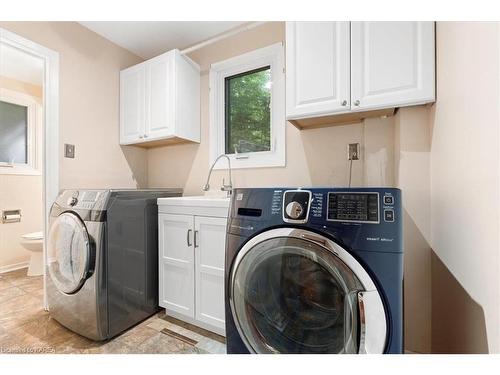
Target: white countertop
[(195, 201)]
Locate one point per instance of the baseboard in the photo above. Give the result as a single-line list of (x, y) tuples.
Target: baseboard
[(410, 352), (14, 267)]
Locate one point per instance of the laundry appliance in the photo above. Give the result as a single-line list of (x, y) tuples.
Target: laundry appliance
[(102, 268), (315, 270)]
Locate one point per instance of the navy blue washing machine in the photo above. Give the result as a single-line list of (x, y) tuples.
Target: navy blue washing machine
[(315, 270)]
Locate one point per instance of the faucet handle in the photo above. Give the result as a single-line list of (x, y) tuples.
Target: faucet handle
[(225, 187)]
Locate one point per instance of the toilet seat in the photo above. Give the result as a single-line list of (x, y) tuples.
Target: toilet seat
[(33, 236)]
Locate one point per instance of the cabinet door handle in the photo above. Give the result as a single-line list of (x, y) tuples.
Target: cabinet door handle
[(195, 238), (344, 103), (356, 103), (188, 236)]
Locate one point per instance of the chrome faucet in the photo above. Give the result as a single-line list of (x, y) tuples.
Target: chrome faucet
[(224, 187)]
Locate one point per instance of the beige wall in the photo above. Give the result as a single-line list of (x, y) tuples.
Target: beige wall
[(36, 92), (465, 190), (89, 105), (412, 159), (20, 192)]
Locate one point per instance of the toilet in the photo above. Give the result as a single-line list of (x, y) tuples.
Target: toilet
[(33, 242)]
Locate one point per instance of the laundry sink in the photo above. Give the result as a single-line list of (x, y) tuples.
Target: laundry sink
[(197, 200), (204, 205)]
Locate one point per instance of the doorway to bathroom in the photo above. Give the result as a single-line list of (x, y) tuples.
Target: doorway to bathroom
[(28, 166)]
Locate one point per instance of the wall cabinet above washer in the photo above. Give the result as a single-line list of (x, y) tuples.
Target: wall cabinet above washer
[(346, 71), (160, 101)]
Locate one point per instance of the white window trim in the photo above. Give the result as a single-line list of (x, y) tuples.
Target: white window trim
[(32, 167), (272, 56)]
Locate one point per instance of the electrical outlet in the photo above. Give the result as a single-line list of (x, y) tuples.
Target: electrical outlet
[(353, 151), (69, 151)]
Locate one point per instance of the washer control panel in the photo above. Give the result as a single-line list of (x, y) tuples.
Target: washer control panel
[(354, 207), (296, 204)]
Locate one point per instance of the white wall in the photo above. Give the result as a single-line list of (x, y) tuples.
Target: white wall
[(465, 189)]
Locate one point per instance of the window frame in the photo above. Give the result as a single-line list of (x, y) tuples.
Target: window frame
[(32, 166), (272, 56)]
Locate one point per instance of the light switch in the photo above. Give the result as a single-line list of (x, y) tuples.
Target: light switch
[(69, 151)]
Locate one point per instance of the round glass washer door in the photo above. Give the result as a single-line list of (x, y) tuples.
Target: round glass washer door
[(291, 292), (70, 253)]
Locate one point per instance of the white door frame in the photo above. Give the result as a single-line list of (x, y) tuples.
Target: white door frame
[(50, 163)]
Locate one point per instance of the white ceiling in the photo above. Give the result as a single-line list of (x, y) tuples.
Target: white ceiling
[(20, 65), (149, 39)]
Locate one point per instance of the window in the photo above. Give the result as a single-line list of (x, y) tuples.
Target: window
[(18, 134), (247, 117), (13, 133)]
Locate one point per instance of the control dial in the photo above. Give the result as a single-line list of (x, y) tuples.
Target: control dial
[(72, 201), (294, 210)]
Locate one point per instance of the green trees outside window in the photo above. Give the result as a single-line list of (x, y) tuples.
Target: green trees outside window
[(248, 111)]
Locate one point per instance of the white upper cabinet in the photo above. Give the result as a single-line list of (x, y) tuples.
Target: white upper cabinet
[(318, 68), (344, 68), (132, 85), (160, 101), (392, 64), (159, 75)]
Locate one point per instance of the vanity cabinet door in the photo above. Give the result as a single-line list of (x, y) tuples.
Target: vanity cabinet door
[(176, 262), (210, 243)]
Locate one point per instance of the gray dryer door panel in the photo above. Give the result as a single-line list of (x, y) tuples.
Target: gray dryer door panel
[(70, 253), (85, 310)]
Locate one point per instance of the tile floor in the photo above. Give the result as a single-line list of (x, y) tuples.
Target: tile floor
[(25, 327)]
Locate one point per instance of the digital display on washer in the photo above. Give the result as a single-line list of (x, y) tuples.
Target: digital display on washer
[(353, 207)]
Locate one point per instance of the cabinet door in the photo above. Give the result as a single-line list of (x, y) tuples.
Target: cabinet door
[(210, 244), (176, 252), (132, 104), (392, 64), (159, 96), (317, 68)]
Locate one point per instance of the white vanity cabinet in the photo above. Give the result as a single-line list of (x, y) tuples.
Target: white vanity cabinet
[(344, 68), (160, 101), (192, 237)]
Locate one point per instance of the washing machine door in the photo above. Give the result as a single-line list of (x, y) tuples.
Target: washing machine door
[(69, 253), (294, 291)]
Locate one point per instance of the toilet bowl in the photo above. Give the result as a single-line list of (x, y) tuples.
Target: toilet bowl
[(33, 242)]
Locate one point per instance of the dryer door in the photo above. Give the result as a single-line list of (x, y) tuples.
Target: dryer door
[(70, 253), (294, 291)]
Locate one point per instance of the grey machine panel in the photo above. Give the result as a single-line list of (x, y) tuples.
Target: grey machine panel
[(132, 265)]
